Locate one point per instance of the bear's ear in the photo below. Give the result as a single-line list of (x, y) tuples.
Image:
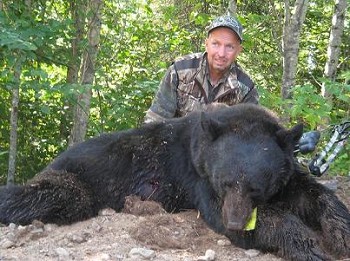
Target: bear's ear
[(211, 126), (291, 136)]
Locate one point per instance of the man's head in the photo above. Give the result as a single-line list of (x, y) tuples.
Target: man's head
[(223, 43)]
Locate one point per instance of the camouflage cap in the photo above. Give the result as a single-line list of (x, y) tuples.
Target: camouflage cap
[(229, 22)]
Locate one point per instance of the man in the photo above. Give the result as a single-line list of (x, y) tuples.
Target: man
[(196, 80)]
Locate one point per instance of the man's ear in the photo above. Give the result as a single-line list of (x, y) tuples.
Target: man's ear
[(240, 49)]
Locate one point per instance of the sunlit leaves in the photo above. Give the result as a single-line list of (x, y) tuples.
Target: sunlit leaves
[(309, 105), (13, 41)]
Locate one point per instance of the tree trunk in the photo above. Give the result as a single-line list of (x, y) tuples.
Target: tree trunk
[(78, 14), (87, 70), (232, 7), (291, 34), (14, 123), (333, 49)]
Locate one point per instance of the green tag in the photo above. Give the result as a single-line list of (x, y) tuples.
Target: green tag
[(251, 224)]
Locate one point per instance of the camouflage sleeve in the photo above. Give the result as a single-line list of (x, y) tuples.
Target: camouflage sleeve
[(165, 103), (252, 96)]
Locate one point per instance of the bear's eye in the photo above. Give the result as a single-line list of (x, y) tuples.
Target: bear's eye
[(229, 183), (254, 192)]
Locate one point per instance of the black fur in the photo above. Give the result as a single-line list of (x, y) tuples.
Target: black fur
[(223, 162)]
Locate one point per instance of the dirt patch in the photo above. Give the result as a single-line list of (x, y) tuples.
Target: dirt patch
[(143, 231)]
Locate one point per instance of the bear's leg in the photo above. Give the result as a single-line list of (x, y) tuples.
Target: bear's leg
[(207, 203), (322, 211), (51, 197), (286, 235), (335, 224)]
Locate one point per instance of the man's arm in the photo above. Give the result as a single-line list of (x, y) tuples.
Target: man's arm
[(165, 103), (252, 96)]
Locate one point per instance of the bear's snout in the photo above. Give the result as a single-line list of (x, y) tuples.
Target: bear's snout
[(236, 210)]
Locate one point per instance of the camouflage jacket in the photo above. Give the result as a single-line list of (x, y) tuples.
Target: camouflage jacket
[(186, 87)]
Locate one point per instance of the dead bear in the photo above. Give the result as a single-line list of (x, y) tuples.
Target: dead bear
[(225, 163)]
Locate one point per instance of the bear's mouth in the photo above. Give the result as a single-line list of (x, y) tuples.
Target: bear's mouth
[(234, 225)]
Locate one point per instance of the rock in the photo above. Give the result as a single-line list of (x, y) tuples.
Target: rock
[(210, 255), (78, 239), (22, 228), (107, 212), (12, 226), (36, 233), (252, 253), (143, 253), (62, 253), (101, 257), (38, 224), (50, 227), (224, 242), (96, 226), (6, 243)]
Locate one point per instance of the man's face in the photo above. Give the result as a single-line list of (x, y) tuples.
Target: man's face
[(223, 46)]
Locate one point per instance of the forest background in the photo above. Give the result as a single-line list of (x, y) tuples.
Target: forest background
[(70, 70)]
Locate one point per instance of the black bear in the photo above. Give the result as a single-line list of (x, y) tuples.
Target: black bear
[(228, 163)]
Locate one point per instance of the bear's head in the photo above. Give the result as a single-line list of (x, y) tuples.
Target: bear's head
[(246, 155)]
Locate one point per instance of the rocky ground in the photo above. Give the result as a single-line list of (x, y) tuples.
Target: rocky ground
[(142, 232)]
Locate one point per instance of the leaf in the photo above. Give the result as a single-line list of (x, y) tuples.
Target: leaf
[(13, 41)]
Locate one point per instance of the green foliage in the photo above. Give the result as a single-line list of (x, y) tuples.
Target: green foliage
[(309, 106), (139, 40), (13, 41), (126, 107), (261, 56), (27, 40), (270, 100), (341, 165), (317, 112)]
